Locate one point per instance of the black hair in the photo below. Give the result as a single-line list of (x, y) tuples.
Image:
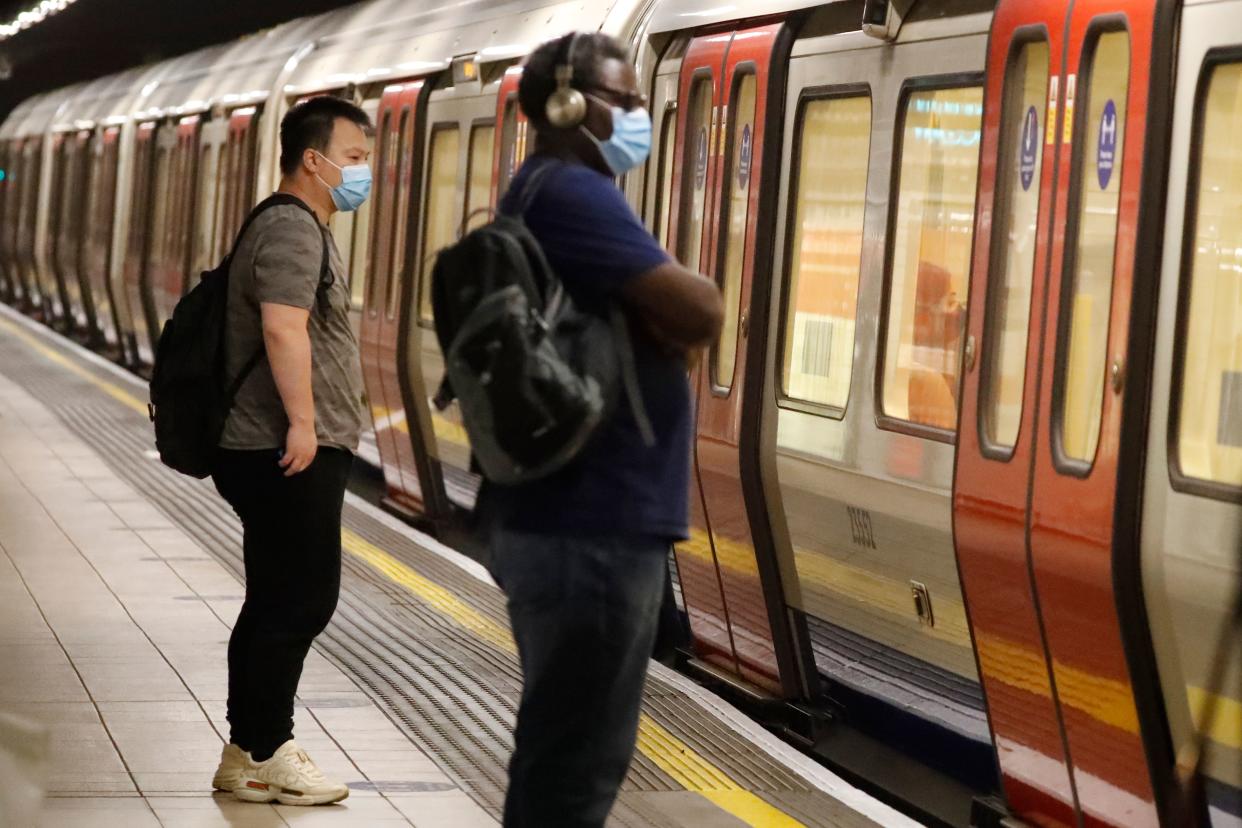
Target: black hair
[(538, 81), (309, 125)]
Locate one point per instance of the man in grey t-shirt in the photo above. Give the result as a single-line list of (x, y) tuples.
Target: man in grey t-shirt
[(288, 444)]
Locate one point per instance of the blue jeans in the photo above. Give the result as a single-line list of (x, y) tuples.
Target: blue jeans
[(584, 612)]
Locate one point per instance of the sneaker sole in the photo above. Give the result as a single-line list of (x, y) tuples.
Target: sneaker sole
[(253, 791), (225, 784)]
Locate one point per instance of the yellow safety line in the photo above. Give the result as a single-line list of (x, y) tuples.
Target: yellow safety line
[(444, 429), (113, 391), (1227, 729), (1014, 664), (670, 754)]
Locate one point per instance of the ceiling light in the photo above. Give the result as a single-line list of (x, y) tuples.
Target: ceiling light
[(35, 14)]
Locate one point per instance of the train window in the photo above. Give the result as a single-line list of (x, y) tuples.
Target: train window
[(401, 216), (441, 218), (735, 221), (664, 187), (695, 173), (1014, 221), (931, 237), (1091, 243), (479, 175), (1209, 401), (384, 176), (829, 199)]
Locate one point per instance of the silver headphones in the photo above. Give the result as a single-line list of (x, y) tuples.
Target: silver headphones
[(566, 107)]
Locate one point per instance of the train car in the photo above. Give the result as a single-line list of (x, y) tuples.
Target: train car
[(967, 490)]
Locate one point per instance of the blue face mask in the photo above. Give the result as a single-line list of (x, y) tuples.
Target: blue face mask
[(630, 142), (354, 188)]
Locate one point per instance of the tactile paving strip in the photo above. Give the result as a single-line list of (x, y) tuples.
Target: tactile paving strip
[(450, 690)]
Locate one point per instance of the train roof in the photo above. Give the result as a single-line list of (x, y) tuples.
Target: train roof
[(369, 42), (687, 14), (387, 39), (372, 41)]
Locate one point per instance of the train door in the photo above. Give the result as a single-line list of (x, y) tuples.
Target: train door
[(173, 224), (15, 289), (458, 155), (12, 221), (658, 195), (211, 197), (239, 176), (1057, 367), (398, 122), (1192, 503), (515, 140), (41, 294), (138, 244), (995, 441), (6, 215), (353, 236), (73, 173), (725, 82), (96, 253)]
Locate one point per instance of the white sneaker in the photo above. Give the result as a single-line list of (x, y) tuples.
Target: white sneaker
[(290, 778), (233, 761)]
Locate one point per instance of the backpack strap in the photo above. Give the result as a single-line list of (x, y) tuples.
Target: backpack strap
[(629, 375), (530, 188), (325, 277)]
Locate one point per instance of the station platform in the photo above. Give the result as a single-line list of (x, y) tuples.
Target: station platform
[(119, 580)]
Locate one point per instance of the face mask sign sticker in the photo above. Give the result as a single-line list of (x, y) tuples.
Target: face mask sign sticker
[(700, 160), (1106, 154), (1030, 148), (744, 154)]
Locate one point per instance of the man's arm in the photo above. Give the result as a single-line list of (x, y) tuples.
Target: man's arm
[(289, 353), (680, 308)]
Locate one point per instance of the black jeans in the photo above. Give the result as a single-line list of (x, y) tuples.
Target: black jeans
[(292, 550), (584, 614)]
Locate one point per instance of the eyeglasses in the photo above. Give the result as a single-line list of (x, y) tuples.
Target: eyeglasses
[(624, 99)]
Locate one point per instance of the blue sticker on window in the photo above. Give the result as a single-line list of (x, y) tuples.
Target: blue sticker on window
[(743, 160), (1106, 154), (700, 160), (1030, 148)]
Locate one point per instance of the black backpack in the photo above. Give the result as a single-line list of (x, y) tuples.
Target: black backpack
[(534, 375), (189, 398)]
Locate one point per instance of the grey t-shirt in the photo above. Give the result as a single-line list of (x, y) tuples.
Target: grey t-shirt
[(278, 261)]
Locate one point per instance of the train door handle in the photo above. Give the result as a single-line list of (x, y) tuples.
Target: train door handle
[(1117, 375), (969, 356), (744, 325)]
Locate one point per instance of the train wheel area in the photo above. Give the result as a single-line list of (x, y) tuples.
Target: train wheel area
[(118, 582)]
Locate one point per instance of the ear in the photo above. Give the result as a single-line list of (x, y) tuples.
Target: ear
[(310, 160)]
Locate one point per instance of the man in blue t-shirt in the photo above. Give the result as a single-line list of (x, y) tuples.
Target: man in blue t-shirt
[(582, 555)]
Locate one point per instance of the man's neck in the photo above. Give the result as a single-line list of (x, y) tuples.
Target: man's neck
[(317, 199), (559, 148)]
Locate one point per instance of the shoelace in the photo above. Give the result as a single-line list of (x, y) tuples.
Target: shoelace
[(306, 766)]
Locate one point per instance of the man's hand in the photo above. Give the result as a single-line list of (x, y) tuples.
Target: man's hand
[(300, 448), (679, 308)]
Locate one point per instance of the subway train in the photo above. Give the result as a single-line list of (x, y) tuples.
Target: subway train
[(967, 483)]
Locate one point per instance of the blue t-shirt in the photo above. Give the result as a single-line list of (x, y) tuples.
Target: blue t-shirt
[(617, 485)]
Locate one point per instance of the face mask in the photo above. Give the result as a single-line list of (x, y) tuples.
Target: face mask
[(630, 142), (354, 188)]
